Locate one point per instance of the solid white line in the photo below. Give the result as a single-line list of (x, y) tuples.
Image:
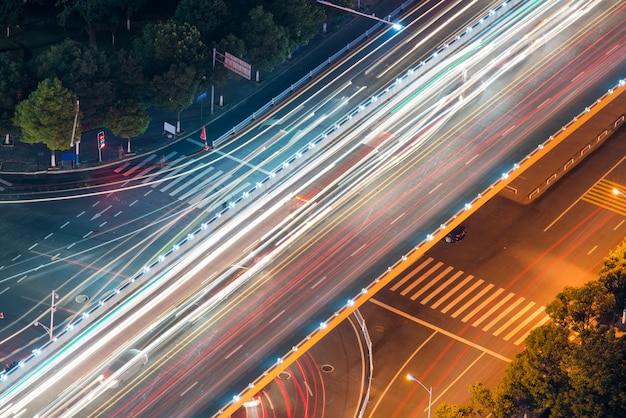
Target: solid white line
[(233, 352), (276, 316)]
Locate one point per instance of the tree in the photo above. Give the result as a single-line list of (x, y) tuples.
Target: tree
[(47, 116), (10, 13), (92, 12), (82, 69), (266, 42), (14, 83), (579, 308), (613, 276), (126, 119), (301, 19), (446, 410), (175, 90), (206, 15)]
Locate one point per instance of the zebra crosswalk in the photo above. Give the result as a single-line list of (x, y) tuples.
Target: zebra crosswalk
[(188, 183), (608, 195), (471, 300)]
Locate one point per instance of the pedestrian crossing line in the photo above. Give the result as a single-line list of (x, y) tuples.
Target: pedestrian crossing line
[(482, 305), (172, 183), (602, 195), (514, 318), (246, 163), (189, 182), (450, 293), (204, 183), (492, 310), (158, 167), (432, 282), (473, 300), (200, 196), (410, 275), (441, 288), (463, 295), (161, 170), (503, 314), (421, 278), (138, 166), (524, 323), (6, 182), (121, 167), (537, 325)]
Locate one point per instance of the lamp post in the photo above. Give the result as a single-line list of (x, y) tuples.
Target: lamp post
[(409, 376), (53, 308)]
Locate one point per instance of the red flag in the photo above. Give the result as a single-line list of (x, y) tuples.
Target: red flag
[(203, 134)]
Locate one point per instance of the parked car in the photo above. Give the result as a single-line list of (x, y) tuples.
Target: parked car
[(457, 234), (132, 358)]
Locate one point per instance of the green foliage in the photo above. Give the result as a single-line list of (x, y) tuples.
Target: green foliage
[(266, 42), (82, 69), (208, 16), (10, 11), (164, 44), (127, 119), (92, 12), (579, 308), (301, 19), (446, 410), (14, 83), (175, 89), (613, 276), (47, 115)]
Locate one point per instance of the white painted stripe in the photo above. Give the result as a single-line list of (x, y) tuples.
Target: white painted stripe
[(208, 191), (190, 182), (123, 166), (420, 279), (199, 186), (524, 323), (141, 164), (227, 198), (432, 282), (482, 305), (514, 318), (409, 276), (472, 300), (164, 168), (6, 182), (503, 314), (492, 310), (540, 323), (462, 295), (451, 292)]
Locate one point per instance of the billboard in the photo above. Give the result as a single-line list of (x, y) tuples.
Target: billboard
[(237, 66)]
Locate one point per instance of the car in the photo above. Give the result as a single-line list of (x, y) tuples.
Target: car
[(457, 234), (132, 358)]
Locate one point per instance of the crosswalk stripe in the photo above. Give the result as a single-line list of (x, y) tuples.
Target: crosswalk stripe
[(451, 292), (473, 300), (121, 167), (6, 182), (421, 278), (138, 166), (503, 314), (159, 167), (514, 318), (162, 169), (410, 275), (189, 182), (482, 305), (524, 323), (432, 282), (492, 310), (462, 295), (200, 196), (441, 288), (172, 183), (200, 185), (540, 323)]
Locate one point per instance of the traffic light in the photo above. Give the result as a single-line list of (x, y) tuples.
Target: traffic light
[(101, 139)]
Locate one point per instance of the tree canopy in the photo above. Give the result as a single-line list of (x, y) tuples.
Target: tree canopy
[(266, 42), (47, 116)]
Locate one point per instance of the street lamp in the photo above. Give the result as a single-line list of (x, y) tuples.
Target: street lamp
[(618, 192), (53, 308), (409, 376), (396, 26)]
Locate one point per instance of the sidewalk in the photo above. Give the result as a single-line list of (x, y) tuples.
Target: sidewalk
[(241, 98)]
